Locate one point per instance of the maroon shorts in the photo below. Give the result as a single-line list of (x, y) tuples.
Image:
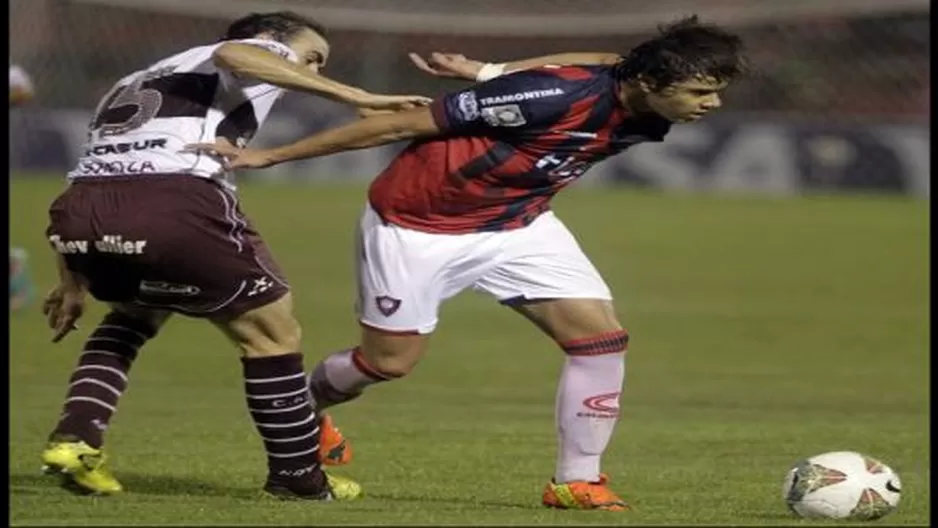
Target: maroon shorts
[(170, 241)]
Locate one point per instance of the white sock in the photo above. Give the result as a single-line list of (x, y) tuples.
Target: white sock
[(341, 377), (587, 411)]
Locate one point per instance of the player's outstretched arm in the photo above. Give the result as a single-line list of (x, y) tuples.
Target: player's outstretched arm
[(474, 111), (364, 133), (264, 65), (454, 65), (564, 59)]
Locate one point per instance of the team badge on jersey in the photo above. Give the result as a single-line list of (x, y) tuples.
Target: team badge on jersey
[(387, 305), (508, 115)]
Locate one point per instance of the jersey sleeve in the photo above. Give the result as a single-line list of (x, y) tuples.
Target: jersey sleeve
[(534, 99), (19, 79)]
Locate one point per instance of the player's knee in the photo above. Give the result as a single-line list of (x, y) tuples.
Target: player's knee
[(595, 330), (573, 319), (392, 366), (283, 337), (290, 336), (392, 355), (598, 317), (270, 330), (265, 339)]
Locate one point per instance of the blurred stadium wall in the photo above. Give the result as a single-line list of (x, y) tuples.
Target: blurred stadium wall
[(839, 96)]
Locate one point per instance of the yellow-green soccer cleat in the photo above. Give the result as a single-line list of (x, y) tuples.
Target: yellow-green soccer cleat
[(339, 489), (344, 488), (82, 467)]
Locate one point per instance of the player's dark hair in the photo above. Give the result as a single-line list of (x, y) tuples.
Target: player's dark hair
[(281, 26), (682, 51)]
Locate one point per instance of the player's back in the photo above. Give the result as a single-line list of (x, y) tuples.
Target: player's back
[(142, 124), (509, 146)]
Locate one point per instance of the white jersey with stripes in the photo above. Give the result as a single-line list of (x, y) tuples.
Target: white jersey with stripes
[(142, 124)]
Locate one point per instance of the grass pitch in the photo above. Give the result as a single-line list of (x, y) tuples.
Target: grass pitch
[(764, 330)]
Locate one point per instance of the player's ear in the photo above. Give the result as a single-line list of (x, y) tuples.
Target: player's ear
[(644, 85)]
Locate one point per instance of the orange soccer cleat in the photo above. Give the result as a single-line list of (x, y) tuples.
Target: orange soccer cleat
[(334, 449), (582, 495)]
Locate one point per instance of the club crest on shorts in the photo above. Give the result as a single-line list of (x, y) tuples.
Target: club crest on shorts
[(387, 305)]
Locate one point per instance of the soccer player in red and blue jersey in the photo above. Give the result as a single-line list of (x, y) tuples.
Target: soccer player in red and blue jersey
[(467, 205)]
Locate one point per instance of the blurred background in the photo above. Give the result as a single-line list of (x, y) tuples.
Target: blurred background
[(766, 326), (838, 99)]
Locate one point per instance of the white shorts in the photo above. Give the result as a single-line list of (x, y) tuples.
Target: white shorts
[(404, 275)]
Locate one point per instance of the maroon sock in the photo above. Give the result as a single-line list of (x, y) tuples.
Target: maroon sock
[(100, 378), (280, 405)]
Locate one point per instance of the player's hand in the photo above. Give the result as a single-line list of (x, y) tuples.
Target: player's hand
[(232, 157), (63, 307), (450, 65), (393, 103)]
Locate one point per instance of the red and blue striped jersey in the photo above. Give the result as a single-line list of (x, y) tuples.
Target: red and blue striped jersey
[(507, 147)]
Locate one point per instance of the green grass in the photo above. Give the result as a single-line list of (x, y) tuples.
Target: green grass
[(764, 330)]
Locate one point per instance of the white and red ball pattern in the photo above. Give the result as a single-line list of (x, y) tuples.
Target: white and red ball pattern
[(842, 485)]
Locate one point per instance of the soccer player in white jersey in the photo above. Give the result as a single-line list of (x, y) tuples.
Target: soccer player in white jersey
[(21, 286), (467, 205), (153, 231)]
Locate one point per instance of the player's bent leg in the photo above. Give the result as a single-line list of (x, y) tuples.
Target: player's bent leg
[(399, 292), (587, 399), (279, 402), (381, 356), (400, 287), (343, 376), (74, 448)]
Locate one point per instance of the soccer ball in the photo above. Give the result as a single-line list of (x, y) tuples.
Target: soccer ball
[(841, 485)]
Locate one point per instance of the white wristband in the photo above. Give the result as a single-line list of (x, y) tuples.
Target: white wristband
[(490, 71)]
